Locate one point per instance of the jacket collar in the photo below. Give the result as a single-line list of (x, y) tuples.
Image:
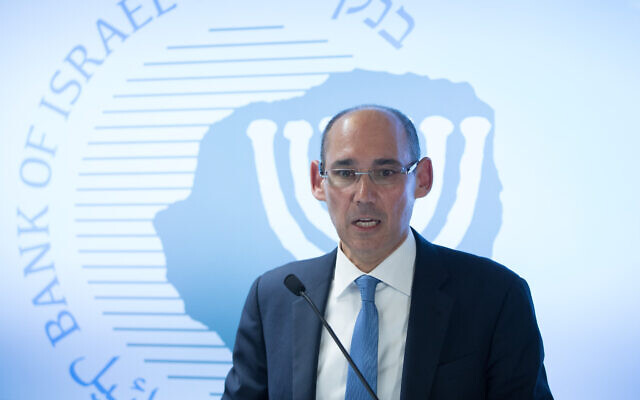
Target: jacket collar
[(317, 277), (428, 320)]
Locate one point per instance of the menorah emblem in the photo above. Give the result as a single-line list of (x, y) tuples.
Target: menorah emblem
[(435, 130)]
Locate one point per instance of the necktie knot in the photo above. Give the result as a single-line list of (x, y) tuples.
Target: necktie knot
[(367, 285)]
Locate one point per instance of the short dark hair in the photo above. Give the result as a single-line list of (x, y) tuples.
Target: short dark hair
[(407, 124)]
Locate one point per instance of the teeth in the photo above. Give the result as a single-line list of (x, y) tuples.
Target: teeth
[(366, 223)]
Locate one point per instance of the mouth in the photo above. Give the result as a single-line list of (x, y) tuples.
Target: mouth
[(366, 223)]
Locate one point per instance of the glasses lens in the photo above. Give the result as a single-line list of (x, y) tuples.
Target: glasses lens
[(342, 177), (385, 176)]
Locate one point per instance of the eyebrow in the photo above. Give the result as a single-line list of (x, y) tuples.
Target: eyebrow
[(386, 161), (346, 162), (349, 162)]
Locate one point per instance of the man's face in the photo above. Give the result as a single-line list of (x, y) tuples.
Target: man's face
[(371, 220)]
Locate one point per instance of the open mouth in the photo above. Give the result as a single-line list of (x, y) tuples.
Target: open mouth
[(366, 222)]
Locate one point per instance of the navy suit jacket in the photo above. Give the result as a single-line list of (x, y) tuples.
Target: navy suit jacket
[(472, 332)]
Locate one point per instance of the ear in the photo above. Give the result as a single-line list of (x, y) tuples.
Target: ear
[(317, 187), (424, 177)]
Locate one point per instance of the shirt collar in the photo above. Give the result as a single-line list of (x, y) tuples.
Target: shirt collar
[(396, 270)]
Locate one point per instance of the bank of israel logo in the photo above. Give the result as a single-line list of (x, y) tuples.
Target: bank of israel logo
[(251, 209), (169, 261)]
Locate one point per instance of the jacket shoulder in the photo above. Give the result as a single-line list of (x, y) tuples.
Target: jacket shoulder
[(466, 270), (311, 272), (460, 262)]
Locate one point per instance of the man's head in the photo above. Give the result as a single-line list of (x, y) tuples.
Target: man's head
[(409, 127), (372, 219)]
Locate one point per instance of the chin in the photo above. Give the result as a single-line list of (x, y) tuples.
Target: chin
[(366, 246)]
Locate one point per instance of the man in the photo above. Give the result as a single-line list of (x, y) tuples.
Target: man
[(424, 322)]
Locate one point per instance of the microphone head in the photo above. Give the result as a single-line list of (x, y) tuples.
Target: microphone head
[(294, 285)]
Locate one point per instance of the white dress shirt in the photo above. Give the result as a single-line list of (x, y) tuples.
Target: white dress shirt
[(393, 299)]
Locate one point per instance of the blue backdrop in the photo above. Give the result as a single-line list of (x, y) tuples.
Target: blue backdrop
[(155, 158)]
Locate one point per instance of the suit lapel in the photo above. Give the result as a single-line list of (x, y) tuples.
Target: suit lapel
[(428, 322), (307, 327)]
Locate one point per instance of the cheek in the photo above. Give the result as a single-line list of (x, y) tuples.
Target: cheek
[(402, 207), (337, 208)]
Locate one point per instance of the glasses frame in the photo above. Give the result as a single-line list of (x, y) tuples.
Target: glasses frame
[(406, 170)]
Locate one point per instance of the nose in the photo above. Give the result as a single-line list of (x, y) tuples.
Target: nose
[(365, 190)]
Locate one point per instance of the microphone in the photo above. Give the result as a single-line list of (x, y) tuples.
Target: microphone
[(296, 287)]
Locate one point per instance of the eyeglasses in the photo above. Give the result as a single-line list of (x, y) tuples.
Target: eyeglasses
[(343, 177)]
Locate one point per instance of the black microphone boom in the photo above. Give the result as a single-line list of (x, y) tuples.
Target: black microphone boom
[(296, 287)]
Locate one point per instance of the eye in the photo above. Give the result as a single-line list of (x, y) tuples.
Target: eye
[(344, 173), (385, 173)]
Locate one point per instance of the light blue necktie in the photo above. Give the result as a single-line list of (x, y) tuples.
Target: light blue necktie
[(364, 342)]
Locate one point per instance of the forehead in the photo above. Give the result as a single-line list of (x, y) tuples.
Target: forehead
[(365, 136)]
